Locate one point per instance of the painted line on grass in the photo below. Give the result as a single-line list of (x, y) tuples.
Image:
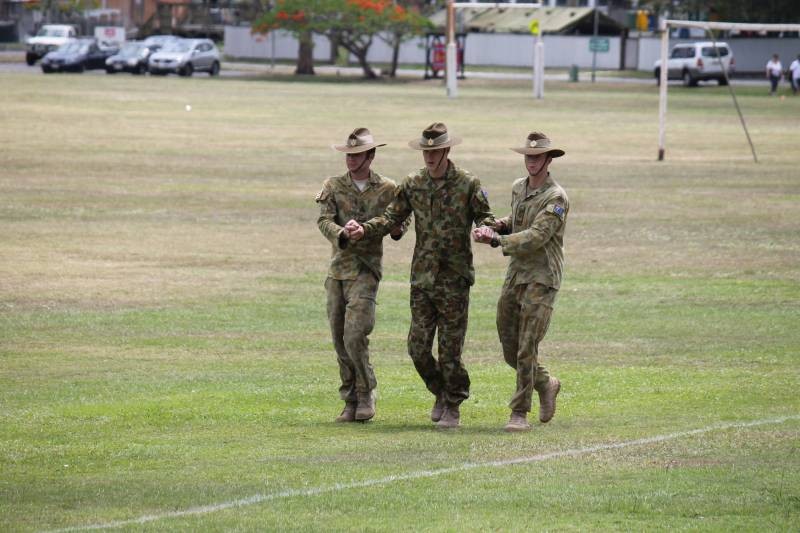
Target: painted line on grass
[(260, 498)]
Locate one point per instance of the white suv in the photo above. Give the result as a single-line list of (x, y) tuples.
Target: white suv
[(693, 62), (47, 39)]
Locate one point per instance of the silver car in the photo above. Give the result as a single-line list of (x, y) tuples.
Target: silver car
[(185, 57)]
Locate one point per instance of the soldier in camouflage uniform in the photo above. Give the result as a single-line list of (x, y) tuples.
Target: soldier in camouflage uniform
[(533, 236), (446, 200), (355, 269)]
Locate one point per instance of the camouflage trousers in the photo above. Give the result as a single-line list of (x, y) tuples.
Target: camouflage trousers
[(441, 311), (523, 316), (351, 313)]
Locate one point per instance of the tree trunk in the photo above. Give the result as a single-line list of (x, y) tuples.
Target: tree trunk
[(362, 60), (395, 55), (334, 39), (305, 54)]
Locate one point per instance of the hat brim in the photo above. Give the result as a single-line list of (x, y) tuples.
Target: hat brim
[(554, 152), (452, 141), (355, 149)]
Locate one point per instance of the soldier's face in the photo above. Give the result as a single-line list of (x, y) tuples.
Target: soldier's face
[(357, 162), (537, 164), (435, 161)]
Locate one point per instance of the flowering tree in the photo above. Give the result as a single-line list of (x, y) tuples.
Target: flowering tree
[(351, 23), (298, 17)]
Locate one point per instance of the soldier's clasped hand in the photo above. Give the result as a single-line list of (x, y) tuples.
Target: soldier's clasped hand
[(484, 234), (355, 231)]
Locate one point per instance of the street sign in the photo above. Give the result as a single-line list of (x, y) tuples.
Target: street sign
[(534, 26), (599, 44)]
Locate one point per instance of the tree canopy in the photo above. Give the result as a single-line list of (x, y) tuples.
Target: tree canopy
[(352, 24)]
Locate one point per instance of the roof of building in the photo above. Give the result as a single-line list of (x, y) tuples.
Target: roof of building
[(554, 20)]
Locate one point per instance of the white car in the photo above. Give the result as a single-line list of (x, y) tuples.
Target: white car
[(48, 38), (185, 57), (693, 62)]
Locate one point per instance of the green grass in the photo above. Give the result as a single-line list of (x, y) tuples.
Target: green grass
[(163, 342)]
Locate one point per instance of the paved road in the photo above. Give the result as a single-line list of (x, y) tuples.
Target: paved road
[(14, 62)]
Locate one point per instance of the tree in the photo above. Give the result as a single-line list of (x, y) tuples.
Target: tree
[(408, 23), (772, 11), (353, 24), (298, 17)]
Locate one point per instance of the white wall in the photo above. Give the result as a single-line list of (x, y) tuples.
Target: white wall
[(481, 49)]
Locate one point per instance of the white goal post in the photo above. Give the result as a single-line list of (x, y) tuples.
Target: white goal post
[(665, 26), (451, 64)]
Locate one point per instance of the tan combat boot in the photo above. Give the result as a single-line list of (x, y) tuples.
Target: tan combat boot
[(518, 422), (438, 409), (366, 406), (348, 413), (450, 418), (547, 400)]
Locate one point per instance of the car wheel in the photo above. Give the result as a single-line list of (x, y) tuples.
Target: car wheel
[(141, 69), (30, 59), (80, 68), (688, 80), (214, 69), (47, 70), (657, 73), (722, 81), (186, 71), (110, 70)]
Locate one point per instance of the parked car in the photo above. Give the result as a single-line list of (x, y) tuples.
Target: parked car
[(185, 57), (78, 55), (693, 62), (132, 57), (48, 38)]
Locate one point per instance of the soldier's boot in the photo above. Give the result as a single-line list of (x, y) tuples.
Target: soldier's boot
[(348, 413), (518, 422), (438, 409), (450, 417), (366, 406), (547, 400)]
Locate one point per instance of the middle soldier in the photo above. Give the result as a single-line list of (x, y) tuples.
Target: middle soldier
[(446, 200)]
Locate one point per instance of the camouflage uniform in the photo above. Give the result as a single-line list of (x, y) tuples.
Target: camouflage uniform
[(535, 243), (354, 273), (441, 270)]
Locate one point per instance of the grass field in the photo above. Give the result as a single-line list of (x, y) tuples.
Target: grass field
[(163, 344)]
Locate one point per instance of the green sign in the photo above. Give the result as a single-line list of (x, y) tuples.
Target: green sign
[(599, 44)]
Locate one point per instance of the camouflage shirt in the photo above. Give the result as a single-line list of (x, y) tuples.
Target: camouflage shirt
[(340, 201), (444, 211), (536, 233)]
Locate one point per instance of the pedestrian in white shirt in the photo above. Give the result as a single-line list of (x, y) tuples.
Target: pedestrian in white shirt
[(774, 73), (794, 74)]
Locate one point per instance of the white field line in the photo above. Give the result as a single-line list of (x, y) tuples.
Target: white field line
[(303, 493)]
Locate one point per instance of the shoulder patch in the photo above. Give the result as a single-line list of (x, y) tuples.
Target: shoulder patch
[(485, 194), (556, 209)]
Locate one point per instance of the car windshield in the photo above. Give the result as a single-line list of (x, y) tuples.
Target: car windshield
[(74, 47), (176, 46), (130, 50), (709, 51), (52, 32)]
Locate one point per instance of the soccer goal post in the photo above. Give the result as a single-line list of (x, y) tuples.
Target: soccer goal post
[(451, 61), (665, 26)]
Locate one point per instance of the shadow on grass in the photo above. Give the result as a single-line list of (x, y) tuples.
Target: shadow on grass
[(325, 79)]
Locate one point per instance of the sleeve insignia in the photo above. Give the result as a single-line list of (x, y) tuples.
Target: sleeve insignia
[(558, 210), (485, 194)]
